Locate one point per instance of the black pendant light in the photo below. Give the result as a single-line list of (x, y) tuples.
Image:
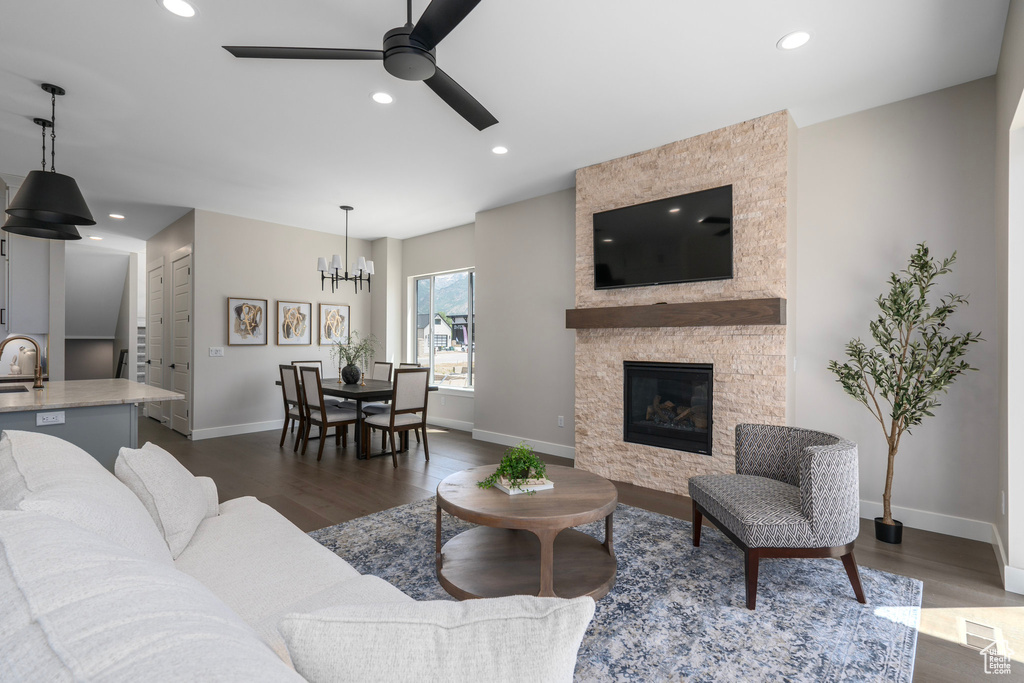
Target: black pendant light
[(48, 197), (46, 231)]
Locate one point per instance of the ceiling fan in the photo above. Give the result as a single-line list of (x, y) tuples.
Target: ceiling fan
[(408, 54)]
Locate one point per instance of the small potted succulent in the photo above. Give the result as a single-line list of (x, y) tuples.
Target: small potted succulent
[(520, 471)]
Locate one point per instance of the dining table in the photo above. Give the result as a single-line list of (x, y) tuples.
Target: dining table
[(367, 390)]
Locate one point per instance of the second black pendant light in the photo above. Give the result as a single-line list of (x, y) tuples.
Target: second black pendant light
[(48, 204)]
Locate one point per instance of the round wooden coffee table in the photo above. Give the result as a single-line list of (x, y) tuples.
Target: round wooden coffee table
[(526, 545)]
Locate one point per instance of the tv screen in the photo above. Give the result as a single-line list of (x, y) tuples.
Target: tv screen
[(681, 239)]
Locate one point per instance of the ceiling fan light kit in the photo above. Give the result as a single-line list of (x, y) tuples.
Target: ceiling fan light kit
[(408, 53), (48, 204), (338, 272)]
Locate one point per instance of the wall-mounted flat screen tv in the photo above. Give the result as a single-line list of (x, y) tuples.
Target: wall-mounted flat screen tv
[(681, 239)]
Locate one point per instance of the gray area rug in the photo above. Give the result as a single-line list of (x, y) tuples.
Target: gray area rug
[(677, 612)]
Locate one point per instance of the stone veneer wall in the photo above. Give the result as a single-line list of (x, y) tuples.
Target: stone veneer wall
[(749, 361)]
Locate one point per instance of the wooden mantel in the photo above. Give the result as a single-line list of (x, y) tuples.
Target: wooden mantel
[(699, 314)]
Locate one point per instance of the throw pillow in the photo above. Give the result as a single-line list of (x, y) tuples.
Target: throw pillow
[(76, 607), (173, 497), (518, 638), (46, 474)]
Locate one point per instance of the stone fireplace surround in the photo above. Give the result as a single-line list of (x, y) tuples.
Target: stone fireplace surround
[(750, 361)]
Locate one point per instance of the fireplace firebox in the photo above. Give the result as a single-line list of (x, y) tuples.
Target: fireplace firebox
[(669, 405)]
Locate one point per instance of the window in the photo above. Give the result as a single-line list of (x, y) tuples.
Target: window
[(445, 332)]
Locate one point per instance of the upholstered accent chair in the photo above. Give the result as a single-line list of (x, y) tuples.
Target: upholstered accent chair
[(795, 494)]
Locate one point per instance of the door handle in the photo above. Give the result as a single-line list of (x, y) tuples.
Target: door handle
[(172, 366), (149, 362)]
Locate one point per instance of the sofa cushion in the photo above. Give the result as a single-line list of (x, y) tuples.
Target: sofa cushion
[(76, 607), (173, 497), (762, 512), (362, 590), (519, 638), (258, 562), (47, 474)]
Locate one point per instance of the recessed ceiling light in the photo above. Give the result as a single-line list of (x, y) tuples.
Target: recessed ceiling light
[(117, 216), (607, 239), (382, 98), (675, 210), (792, 41), (180, 8), (95, 237), (500, 150)]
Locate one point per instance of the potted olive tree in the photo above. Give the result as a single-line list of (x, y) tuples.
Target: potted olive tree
[(915, 356)]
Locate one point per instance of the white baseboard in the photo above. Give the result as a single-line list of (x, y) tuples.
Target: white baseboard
[(461, 425), (540, 446), (1013, 577), (972, 529), (234, 430)]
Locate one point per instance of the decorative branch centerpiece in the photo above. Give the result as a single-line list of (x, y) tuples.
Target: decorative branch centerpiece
[(358, 352), (915, 357), (520, 471)]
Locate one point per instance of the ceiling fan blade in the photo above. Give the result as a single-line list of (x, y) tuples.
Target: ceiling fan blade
[(253, 52), (458, 99), (438, 20)]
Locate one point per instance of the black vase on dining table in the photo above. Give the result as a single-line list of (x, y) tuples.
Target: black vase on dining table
[(350, 374)]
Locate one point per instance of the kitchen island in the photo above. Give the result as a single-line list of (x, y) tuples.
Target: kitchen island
[(98, 415)]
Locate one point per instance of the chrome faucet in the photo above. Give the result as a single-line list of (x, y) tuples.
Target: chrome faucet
[(38, 384)]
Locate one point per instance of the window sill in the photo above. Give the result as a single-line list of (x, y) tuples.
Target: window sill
[(465, 392)]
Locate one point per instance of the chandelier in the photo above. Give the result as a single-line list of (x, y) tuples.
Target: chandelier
[(338, 273)]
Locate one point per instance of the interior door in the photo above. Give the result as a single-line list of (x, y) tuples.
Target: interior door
[(155, 337), (181, 355)]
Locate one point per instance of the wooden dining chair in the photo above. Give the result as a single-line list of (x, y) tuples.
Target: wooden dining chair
[(380, 371), (322, 415), (408, 410), (329, 400), (412, 365), (293, 410)]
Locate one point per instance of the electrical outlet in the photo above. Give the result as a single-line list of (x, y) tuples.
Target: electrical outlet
[(561, 420), (443, 399), (216, 352), (43, 419), (1002, 495)]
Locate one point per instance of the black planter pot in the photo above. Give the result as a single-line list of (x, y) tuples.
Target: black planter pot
[(350, 374), (889, 533)]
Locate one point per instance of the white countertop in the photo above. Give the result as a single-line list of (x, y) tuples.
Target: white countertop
[(80, 394)]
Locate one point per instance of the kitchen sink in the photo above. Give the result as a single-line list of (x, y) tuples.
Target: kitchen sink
[(12, 388)]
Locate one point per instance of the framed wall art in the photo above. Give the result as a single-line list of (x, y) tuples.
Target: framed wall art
[(333, 323), (247, 322), (294, 323)]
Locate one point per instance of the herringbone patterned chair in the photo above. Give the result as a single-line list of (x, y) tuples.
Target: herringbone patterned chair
[(795, 494)]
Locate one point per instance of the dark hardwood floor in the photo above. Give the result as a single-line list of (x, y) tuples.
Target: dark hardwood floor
[(961, 577)]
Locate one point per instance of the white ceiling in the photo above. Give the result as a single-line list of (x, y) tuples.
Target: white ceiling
[(158, 118)]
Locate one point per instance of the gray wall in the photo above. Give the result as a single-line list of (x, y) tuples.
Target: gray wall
[(126, 334), (240, 257), (95, 282), (88, 358), (871, 186), (525, 258)]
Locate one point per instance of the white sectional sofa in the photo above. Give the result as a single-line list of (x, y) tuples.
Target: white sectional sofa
[(147, 577)]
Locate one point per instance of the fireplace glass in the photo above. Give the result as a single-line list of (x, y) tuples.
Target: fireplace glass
[(669, 405)]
